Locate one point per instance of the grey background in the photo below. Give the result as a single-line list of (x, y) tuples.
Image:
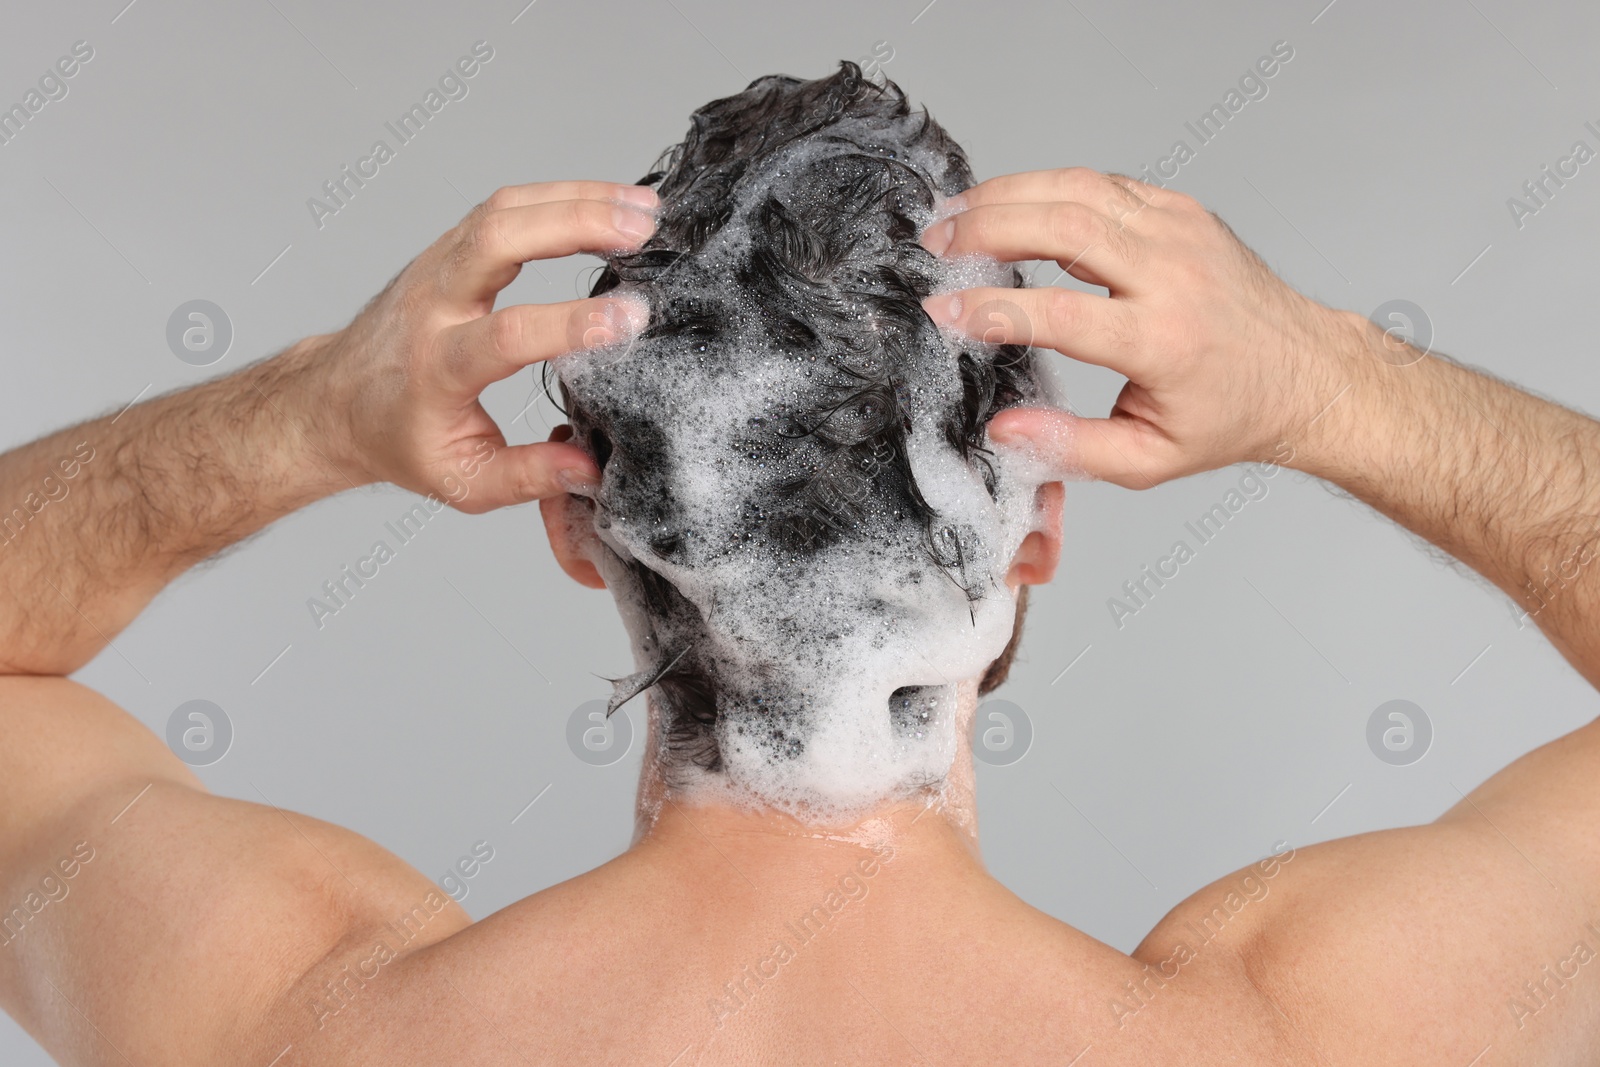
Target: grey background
[(1226, 715)]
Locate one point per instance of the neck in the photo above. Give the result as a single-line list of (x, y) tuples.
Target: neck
[(936, 826), (764, 850)]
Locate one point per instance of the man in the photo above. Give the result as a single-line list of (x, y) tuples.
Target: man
[(202, 929)]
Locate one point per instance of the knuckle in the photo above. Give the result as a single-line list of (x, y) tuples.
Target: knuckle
[(470, 242), (527, 485), (1182, 202), (1071, 179), (1123, 244), (508, 331), (583, 216), (1070, 225), (410, 301), (502, 198), (473, 214), (1216, 228), (1127, 190), (489, 235), (1062, 312), (976, 227)]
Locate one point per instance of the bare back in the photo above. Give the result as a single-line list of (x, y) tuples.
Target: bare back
[(286, 937)]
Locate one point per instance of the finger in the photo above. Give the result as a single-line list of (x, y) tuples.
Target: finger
[(1121, 450), (1153, 195), (1085, 326), (489, 247), (518, 474), (1087, 244), (1135, 210), (641, 196), (1079, 184), (471, 355), (589, 484)]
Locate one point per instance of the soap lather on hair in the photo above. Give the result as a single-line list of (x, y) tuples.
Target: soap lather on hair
[(798, 511)]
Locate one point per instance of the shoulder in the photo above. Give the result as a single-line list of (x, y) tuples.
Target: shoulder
[(1412, 945), (137, 890)]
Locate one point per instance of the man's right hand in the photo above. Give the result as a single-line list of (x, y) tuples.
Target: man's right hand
[(404, 377), (1224, 361)]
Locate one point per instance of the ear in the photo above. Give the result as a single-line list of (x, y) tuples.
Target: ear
[(1036, 558), (566, 523)]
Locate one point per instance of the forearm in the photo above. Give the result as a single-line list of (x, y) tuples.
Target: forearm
[(1505, 482), (391, 397), (98, 518)]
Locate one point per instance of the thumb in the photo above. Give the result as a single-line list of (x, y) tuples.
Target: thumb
[(1114, 449), (517, 474)]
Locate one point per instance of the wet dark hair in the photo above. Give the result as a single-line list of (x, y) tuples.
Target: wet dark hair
[(833, 277)]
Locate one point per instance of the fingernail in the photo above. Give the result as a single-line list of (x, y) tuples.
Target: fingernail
[(937, 238), (606, 321), (642, 195), (944, 309), (577, 481), (633, 222), (1004, 433), (627, 315)]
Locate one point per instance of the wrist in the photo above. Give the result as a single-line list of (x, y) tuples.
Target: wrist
[(1361, 377), (303, 388)]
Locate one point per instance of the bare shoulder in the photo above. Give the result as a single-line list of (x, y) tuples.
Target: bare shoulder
[(1444, 943), (129, 889)]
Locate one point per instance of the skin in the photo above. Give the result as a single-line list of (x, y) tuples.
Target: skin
[(205, 929)]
